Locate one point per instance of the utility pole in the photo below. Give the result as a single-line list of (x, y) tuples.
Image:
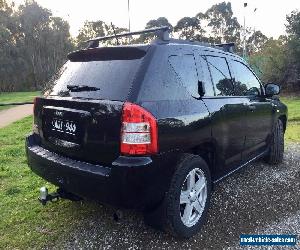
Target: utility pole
[(254, 27), (244, 41), (128, 5)]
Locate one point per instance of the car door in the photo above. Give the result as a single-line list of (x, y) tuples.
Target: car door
[(259, 109), (227, 113)]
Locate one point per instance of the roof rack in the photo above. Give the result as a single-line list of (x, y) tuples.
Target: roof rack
[(227, 47), (161, 32)]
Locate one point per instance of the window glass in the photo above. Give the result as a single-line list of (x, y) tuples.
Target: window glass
[(113, 78), (185, 67), (220, 75), (204, 76), (161, 82), (245, 82)]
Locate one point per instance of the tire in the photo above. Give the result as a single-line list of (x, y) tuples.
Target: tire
[(185, 206), (276, 147)]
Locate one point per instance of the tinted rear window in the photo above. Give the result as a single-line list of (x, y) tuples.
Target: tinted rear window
[(113, 77)]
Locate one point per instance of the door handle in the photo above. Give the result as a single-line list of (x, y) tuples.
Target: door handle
[(252, 107)]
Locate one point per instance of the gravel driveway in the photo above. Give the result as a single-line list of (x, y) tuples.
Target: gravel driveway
[(257, 199)]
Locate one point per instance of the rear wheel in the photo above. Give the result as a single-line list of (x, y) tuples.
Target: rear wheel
[(184, 209), (275, 155)]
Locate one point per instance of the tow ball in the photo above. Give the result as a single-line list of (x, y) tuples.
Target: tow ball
[(46, 197), (59, 194)]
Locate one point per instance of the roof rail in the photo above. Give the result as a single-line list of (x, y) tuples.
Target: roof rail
[(161, 32), (227, 47), (192, 42)]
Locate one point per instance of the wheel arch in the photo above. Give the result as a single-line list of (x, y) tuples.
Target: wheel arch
[(283, 119), (206, 150)]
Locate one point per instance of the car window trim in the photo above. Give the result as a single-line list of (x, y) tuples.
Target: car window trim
[(231, 80), (260, 84), (195, 65), (201, 66)]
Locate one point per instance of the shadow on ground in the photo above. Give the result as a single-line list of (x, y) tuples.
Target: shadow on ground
[(257, 199)]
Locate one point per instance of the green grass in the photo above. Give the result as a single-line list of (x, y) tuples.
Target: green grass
[(293, 127), (294, 108), (7, 97), (24, 222), (293, 132)]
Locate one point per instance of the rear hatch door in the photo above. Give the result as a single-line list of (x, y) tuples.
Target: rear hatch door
[(81, 115)]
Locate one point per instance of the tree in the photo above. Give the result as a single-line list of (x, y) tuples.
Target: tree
[(271, 61), (223, 26), (293, 25), (293, 44), (10, 61), (45, 41), (189, 28), (159, 22), (34, 44), (293, 31), (90, 30), (98, 29), (256, 41)]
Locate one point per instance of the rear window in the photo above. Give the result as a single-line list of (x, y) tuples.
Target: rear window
[(111, 79)]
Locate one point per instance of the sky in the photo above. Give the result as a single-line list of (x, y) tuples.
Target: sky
[(270, 16)]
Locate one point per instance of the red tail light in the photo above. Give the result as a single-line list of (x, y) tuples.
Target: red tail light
[(138, 132)]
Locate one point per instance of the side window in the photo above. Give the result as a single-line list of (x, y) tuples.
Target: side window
[(204, 75), (185, 68), (220, 75), (161, 82), (245, 82)]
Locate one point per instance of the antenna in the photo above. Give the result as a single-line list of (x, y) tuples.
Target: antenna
[(128, 5)]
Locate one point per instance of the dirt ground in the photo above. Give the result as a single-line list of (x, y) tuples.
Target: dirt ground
[(16, 113), (258, 199)]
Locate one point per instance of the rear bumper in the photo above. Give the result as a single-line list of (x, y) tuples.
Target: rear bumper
[(130, 182)]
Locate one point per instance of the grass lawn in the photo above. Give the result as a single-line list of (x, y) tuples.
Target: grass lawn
[(24, 222), (293, 128), (17, 97)]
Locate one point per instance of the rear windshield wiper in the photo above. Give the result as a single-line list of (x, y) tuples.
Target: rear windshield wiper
[(79, 88)]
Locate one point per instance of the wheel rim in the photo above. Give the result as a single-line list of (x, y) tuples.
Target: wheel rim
[(193, 197)]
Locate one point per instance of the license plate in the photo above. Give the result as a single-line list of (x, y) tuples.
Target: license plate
[(64, 126)]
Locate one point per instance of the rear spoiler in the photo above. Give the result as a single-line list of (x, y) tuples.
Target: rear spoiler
[(161, 32), (108, 54)]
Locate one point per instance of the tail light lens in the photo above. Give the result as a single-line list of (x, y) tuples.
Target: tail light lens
[(139, 131)]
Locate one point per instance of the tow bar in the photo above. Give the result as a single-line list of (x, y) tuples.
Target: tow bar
[(60, 193)]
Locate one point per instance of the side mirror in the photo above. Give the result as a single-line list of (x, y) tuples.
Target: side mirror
[(272, 89)]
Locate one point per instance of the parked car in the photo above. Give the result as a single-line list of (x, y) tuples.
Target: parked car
[(154, 127)]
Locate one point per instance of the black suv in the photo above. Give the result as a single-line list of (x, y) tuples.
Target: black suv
[(153, 127)]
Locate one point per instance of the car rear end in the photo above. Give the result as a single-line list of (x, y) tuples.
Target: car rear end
[(90, 138)]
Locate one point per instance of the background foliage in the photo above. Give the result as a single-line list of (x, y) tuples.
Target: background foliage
[(34, 43)]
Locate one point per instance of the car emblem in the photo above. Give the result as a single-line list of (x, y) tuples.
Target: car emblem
[(59, 113)]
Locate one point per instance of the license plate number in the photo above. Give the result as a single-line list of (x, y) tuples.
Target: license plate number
[(63, 126)]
